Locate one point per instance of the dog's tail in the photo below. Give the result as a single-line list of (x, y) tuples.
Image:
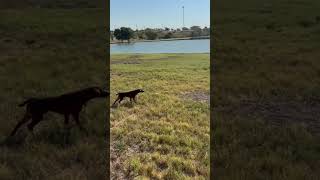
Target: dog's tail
[(26, 102)]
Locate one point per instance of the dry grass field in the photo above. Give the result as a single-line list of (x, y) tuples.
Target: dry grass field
[(165, 135)]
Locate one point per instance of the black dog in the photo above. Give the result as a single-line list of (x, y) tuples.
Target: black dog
[(66, 104), (131, 94)]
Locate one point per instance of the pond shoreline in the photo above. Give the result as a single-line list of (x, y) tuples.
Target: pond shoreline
[(169, 46), (157, 40)]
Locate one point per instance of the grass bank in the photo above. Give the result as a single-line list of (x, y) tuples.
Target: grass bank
[(266, 89), (166, 134), (47, 52)]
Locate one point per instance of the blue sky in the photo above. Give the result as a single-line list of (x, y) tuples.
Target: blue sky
[(159, 13)]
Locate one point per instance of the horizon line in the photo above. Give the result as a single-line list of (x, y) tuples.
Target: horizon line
[(163, 27)]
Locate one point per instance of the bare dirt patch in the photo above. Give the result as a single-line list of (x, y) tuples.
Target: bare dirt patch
[(160, 59), (122, 74), (117, 158), (199, 96), (136, 59), (126, 62), (279, 113), (116, 169)]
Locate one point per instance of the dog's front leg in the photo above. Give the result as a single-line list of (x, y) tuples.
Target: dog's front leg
[(66, 119), (67, 128), (120, 100), (115, 101)]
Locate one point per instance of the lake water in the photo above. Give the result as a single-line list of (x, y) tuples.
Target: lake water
[(178, 46)]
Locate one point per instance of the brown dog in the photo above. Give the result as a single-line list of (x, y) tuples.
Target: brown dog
[(66, 104), (131, 94)]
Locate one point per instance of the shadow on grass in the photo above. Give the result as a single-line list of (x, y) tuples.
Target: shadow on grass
[(63, 138), (13, 142), (126, 104)]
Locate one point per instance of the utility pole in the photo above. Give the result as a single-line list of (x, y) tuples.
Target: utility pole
[(183, 16)]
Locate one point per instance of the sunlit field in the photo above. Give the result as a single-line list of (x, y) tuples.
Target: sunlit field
[(166, 133)]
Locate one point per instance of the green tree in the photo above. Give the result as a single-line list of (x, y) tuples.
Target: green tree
[(195, 28), (117, 33), (206, 31), (185, 29), (123, 33), (140, 34), (168, 35), (150, 34), (196, 31)]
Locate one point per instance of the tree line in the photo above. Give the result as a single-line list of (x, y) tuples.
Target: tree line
[(126, 33)]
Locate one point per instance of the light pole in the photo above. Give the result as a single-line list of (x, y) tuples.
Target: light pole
[(182, 16)]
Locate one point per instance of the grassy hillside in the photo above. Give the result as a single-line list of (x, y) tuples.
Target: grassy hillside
[(266, 89), (166, 134), (47, 52)]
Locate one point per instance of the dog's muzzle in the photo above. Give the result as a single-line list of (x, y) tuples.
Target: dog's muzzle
[(105, 93)]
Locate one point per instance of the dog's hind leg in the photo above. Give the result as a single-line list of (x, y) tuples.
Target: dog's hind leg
[(25, 119), (76, 118), (35, 120)]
